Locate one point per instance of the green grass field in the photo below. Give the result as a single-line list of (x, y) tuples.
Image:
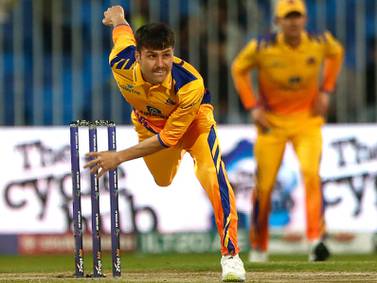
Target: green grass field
[(191, 268)]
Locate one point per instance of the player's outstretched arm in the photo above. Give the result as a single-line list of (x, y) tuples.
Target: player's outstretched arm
[(114, 16), (106, 160)]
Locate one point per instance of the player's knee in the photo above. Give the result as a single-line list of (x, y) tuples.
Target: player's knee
[(163, 182)]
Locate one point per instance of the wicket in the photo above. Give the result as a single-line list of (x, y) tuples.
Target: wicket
[(94, 187)]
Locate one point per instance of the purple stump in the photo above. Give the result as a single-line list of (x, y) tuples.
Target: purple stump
[(114, 206), (76, 196), (94, 190)]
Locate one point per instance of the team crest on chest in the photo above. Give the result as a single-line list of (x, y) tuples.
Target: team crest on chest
[(153, 111)]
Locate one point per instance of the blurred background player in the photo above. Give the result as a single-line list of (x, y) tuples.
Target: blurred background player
[(172, 114), (297, 73)]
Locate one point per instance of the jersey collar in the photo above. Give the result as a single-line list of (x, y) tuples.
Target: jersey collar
[(304, 39)]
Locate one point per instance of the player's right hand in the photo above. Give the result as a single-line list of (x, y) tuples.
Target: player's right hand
[(258, 116), (101, 162), (114, 16), (321, 104)]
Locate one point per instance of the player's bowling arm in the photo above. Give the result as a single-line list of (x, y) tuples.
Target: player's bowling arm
[(144, 148), (106, 160)]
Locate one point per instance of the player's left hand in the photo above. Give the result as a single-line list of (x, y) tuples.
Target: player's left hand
[(321, 104), (114, 16), (102, 162)]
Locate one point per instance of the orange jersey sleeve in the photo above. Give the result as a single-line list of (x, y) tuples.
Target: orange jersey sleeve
[(334, 54), (241, 66), (122, 55), (123, 36)]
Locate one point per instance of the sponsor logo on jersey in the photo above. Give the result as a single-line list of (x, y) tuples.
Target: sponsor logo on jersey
[(129, 88)]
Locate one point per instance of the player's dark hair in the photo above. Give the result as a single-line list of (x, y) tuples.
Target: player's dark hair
[(155, 36)]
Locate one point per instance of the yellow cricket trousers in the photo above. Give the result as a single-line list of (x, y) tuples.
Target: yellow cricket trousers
[(304, 132), (201, 142)]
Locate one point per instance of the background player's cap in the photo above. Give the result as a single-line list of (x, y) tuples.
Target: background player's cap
[(284, 7)]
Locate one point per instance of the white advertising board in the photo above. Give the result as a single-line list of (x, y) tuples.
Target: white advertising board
[(36, 189), (35, 183)]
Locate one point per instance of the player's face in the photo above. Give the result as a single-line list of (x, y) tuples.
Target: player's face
[(155, 64), (293, 24)]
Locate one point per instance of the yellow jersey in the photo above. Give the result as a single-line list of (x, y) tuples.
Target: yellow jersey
[(289, 78), (166, 109)]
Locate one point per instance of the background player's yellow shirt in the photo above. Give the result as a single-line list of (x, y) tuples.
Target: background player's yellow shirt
[(289, 78), (166, 109)]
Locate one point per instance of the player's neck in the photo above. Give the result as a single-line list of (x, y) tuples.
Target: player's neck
[(293, 42)]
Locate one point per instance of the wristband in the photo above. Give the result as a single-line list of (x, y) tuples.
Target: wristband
[(122, 24)]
